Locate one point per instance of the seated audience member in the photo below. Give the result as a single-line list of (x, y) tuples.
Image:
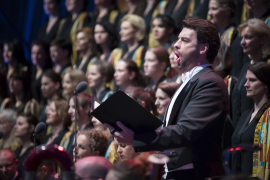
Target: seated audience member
[(24, 129), (77, 19), (127, 74), (7, 121), (221, 14), (163, 28), (164, 93), (51, 89), (70, 81), (60, 51), (132, 34), (105, 38), (174, 66), (254, 30), (13, 54), (9, 164), (46, 171), (83, 120), (48, 31), (21, 95), (4, 90), (137, 169), (86, 47), (40, 56), (94, 167), (99, 75), (156, 63), (90, 142), (59, 120), (253, 124)]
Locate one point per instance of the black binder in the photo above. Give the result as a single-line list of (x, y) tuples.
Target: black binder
[(121, 107)]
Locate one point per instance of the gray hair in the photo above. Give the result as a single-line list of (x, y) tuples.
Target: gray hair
[(10, 115)]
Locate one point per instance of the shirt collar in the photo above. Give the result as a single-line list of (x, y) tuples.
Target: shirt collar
[(188, 75)]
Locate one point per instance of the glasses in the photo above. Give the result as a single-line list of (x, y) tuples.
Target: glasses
[(6, 166)]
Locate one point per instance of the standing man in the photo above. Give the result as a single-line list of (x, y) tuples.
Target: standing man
[(193, 123)]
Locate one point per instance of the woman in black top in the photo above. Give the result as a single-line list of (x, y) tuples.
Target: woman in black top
[(40, 57), (51, 89), (257, 86), (48, 31), (99, 74), (105, 38), (24, 129), (86, 47), (13, 54), (59, 120), (256, 43)]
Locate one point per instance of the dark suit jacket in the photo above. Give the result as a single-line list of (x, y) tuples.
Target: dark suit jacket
[(195, 126)]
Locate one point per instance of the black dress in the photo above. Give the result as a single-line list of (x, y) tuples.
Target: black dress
[(57, 140), (240, 102), (151, 82), (51, 35), (242, 162), (22, 159), (85, 65), (106, 92)]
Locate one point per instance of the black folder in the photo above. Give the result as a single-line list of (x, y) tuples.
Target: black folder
[(121, 107)]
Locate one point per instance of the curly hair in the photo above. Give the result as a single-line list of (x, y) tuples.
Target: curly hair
[(97, 140)]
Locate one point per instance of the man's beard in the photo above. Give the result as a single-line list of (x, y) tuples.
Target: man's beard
[(186, 61)]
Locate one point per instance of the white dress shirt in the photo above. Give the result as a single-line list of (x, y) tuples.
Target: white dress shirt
[(185, 78)]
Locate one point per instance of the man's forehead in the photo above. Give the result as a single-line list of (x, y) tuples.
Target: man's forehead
[(5, 159), (186, 32)]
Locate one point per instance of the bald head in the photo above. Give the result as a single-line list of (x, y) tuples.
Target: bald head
[(8, 163), (95, 167)]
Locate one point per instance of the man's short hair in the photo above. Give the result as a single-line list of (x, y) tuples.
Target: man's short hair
[(206, 34)]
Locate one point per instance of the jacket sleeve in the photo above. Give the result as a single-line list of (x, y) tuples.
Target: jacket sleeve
[(207, 105)]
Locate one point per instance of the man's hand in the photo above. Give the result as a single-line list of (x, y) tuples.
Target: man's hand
[(126, 136)]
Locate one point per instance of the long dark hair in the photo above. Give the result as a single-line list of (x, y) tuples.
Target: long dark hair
[(112, 39), (261, 71), (27, 93), (139, 79), (55, 78), (17, 51)]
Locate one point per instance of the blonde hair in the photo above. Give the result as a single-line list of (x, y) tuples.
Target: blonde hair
[(261, 30), (137, 23)]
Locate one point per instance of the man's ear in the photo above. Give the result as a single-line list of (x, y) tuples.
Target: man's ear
[(44, 170), (203, 48)]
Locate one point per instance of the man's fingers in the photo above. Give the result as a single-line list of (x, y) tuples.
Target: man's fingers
[(123, 127), (109, 126)]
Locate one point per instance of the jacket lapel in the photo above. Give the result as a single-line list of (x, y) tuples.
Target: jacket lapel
[(183, 94)]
